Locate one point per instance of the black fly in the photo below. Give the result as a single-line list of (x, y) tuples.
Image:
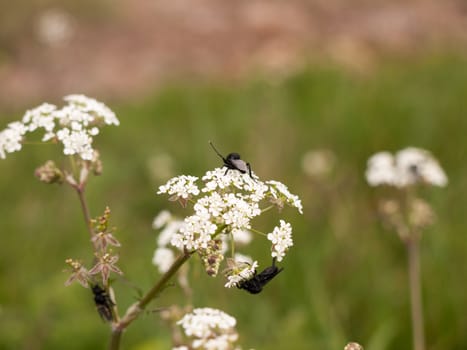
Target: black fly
[(104, 303), (255, 284), (233, 162)]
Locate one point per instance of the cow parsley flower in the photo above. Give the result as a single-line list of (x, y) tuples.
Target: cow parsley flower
[(74, 125), (224, 206), (381, 169), (281, 238), (408, 167), (417, 165), (180, 188), (281, 195), (209, 329)]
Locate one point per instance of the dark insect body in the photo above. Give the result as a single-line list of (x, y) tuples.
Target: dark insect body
[(233, 162), (104, 303), (255, 284)]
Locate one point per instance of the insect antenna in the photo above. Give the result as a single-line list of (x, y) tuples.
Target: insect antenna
[(215, 150)]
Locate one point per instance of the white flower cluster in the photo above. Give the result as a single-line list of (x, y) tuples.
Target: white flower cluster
[(407, 167), (281, 195), (209, 329), (180, 188), (229, 204), (164, 256), (74, 126), (281, 238), (226, 205)]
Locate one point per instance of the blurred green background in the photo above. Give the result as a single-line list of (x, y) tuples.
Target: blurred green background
[(344, 279)]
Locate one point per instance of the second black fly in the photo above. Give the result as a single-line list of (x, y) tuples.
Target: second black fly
[(255, 284), (104, 303)]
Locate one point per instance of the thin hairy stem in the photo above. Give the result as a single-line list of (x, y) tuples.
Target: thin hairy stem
[(267, 208), (258, 232), (85, 209), (413, 250), (134, 310)]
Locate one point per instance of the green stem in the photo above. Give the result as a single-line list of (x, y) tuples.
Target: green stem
[(413, 250), (258, 232), (134, 310), (84, 208), (267, 208)]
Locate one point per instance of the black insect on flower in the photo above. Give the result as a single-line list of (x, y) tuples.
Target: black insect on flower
[(233, 162), (255, 284), (104, 303)]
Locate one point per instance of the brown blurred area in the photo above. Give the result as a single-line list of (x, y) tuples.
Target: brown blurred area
[(132, 47)]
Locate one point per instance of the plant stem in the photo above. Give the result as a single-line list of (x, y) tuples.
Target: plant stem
[(413, 250), (85, 209), (134, 310)]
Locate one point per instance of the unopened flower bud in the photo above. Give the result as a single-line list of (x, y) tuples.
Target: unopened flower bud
[(49, 173), (421, 215), (212, 257)]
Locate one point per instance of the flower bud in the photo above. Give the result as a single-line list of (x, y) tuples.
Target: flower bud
[(49, 173)]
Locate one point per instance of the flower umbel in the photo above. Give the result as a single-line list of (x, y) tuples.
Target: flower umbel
[(224, 208), (209, 329), (409, 166), (74, 125), (281, 238)]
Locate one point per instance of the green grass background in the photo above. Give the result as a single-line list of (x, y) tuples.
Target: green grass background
[(344, 279)]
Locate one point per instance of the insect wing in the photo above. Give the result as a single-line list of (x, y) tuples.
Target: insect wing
[(268, 274), (239, 165)]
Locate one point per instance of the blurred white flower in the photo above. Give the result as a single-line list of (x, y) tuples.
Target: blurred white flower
[(161, 219), (381, 169), (11, 137), (74, 126), (242, 237), (418, 165), (209, 329), (281, 238), (54, 27), (408, 167), (163, 258), (318, 163)]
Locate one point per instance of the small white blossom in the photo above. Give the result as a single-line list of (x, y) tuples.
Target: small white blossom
[(408, 167), (281, 238), (74, 126), (281, 194), (381, 169), (180, 187), (99, 111), (11, 138), (163, 258), (209, 329), (417, 165), (161, 219), (243, 237)]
